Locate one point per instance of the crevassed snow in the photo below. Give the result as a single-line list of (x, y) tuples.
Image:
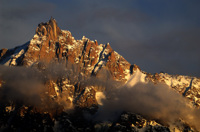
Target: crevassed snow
[(137, 77)]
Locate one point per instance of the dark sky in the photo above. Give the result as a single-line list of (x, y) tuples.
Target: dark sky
[(157, 35)]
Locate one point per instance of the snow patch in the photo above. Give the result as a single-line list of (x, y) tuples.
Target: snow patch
[(99, 97), (65, 31), (127, 74), (15, 56), (56, 89), (70, 47), (137, 77)]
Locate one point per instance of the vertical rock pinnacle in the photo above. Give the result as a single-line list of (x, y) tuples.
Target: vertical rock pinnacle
[(49, 29)]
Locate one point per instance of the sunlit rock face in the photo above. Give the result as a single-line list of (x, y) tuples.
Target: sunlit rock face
[(85, 59), (51, 44)]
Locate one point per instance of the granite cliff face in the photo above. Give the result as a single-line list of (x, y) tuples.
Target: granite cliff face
[(51, 45)]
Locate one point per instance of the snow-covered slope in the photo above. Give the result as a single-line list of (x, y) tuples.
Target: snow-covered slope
[(12, 57), (185, 85)]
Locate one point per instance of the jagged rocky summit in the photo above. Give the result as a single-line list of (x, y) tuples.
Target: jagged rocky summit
[(51, 44)]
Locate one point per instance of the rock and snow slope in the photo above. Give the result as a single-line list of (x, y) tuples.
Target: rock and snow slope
[(51, 44), (137, 77)]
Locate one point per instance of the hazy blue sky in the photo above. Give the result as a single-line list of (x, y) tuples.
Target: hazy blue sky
[(157, 35)]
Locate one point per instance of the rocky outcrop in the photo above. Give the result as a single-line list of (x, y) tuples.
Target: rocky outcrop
[(49, 29), (3, 52)]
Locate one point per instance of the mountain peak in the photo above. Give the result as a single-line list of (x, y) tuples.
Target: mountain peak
[(49, 29), (86, 58), (50, 44)]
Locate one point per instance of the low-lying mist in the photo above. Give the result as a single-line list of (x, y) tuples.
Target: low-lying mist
[(21, 84), (153, 101), (29, 86)]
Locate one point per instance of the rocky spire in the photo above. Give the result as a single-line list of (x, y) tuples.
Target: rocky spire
[(49, 29)]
